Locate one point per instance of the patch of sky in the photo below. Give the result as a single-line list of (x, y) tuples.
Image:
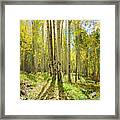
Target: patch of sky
[(88, 25)]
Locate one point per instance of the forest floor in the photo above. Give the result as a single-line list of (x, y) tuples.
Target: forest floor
[(39, 86)]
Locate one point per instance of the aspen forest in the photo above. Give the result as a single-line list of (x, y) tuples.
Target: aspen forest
[(59, 59)]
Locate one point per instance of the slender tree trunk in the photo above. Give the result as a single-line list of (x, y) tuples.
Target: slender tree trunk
[(65, 48), (51, 48), (69, 78), (95, 60), (76, 45), (61, 55), (55, 55), (48, 40), (86, 62), (59, 72), (58, 39), (78, 50), (33, 48), (43, 52)]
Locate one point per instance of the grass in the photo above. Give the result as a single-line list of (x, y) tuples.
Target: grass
[(73, 92), (31, 84)]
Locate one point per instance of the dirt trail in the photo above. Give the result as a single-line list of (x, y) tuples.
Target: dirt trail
[(33, 93), (44, 89), (51, 92)]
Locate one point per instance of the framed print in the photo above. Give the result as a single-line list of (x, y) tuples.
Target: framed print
[(60, 59)]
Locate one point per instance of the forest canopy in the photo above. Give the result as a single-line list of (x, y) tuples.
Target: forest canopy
[(60, 59)]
